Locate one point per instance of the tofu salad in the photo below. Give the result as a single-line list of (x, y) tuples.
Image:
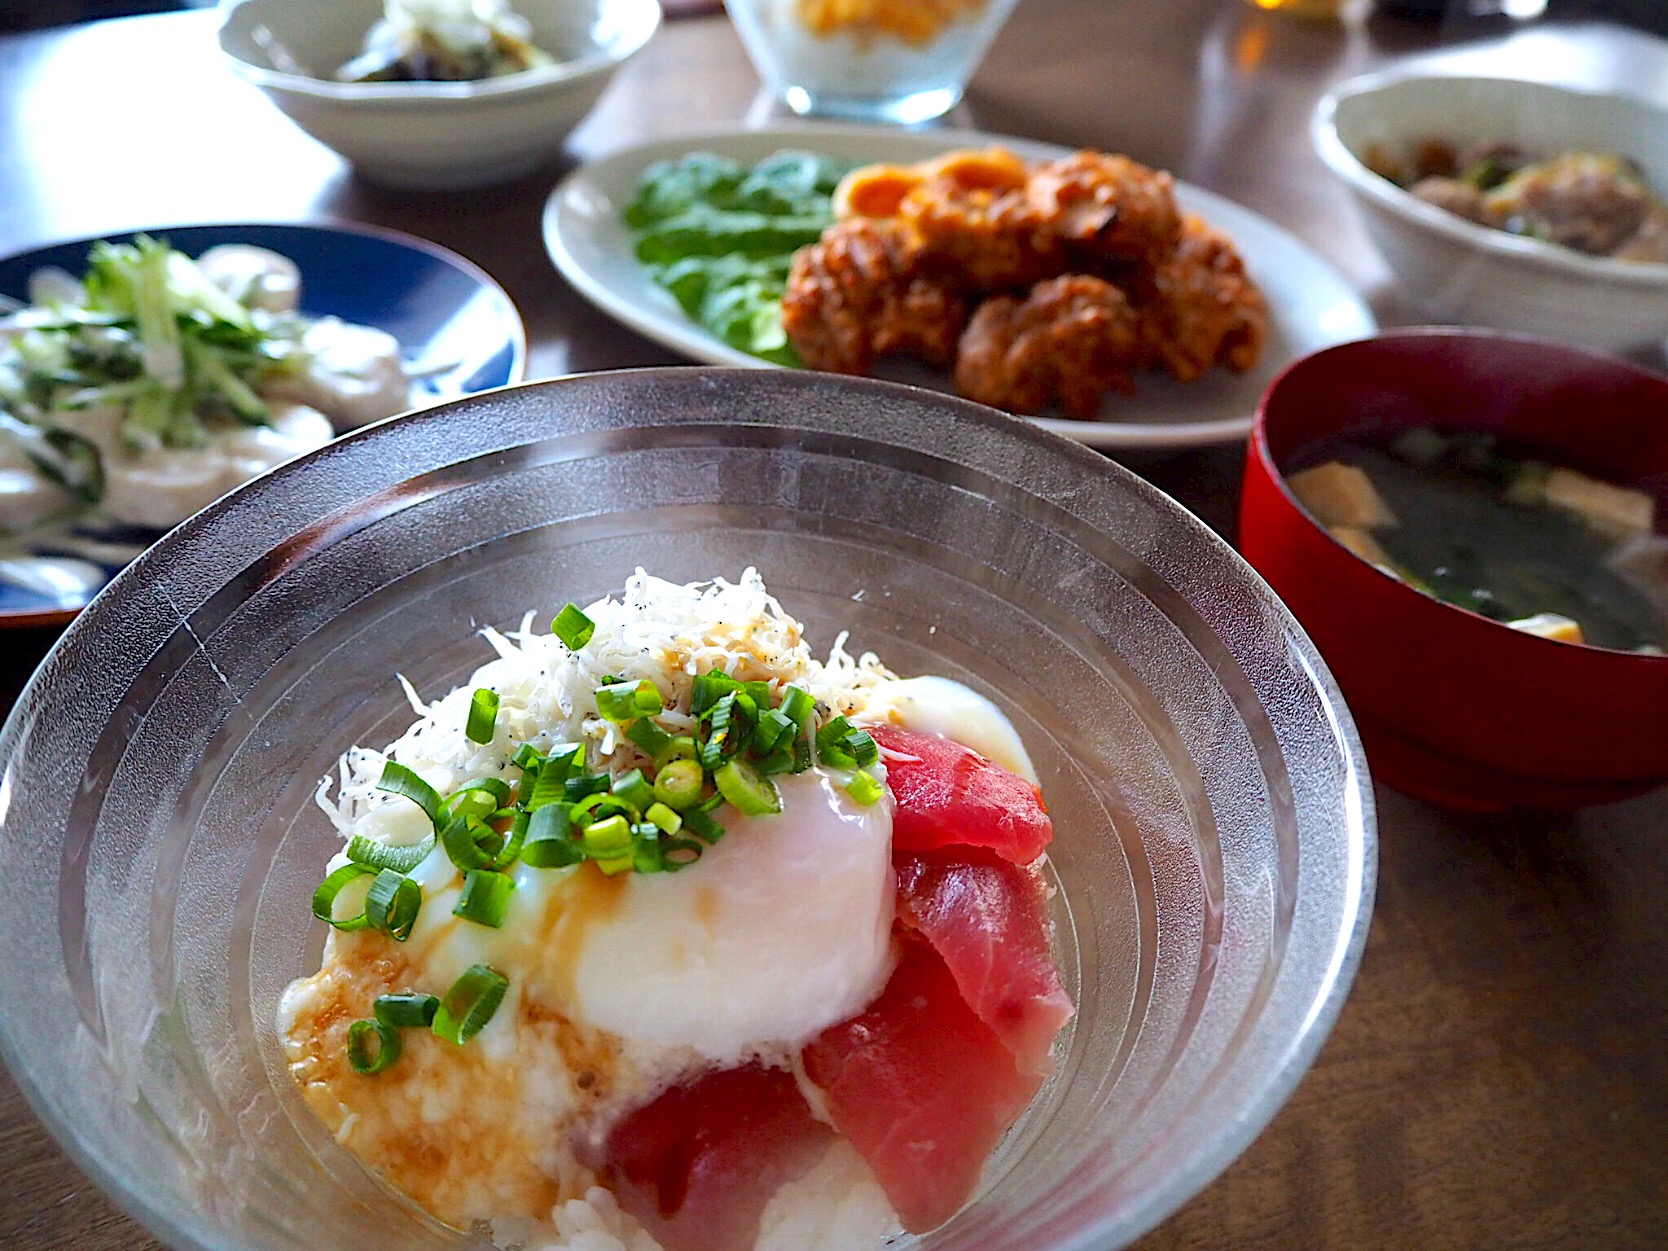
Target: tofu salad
[(154, 384)]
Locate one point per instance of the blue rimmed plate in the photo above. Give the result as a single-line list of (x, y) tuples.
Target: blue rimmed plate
[(456, 326)]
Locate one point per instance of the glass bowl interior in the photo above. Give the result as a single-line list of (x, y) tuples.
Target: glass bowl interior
[(1214, 847)]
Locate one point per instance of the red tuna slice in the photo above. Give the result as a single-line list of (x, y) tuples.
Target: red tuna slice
[(949, 795), (921, 1087), (698, 1165), (986, 921)]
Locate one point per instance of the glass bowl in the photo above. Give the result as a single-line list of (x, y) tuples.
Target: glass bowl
[(159, 841), (886, 61)]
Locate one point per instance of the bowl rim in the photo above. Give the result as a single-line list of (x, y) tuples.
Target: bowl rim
[(644, 20), (1565, 262), (1300, 1040), (1258, 452)]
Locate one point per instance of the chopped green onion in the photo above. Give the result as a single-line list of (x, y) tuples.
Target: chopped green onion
[(596, 806), (511, 850), (711, 753), (573, 627), (632, 788), (678, 785), (758, 693), (392, 904), (801, 755), (649, 737), (576, 788), (623, 701), (862, 747), (324, 898), (405, 1011), (864, 787), (483, 715), (679, 853), (550, 787), (527, 758), (701, 824), (771, 731), (747, 789), (473, 799), (466, 1008), (708, 689), (466, 840), (486, 897), (842, 746), (399, 780), (375, 855), (663, 818), (607, 838), (498, 788), (548, 845), (797, 705), (615, 865), (679, 747), (360, 1055), (645, 849), (781, 761)]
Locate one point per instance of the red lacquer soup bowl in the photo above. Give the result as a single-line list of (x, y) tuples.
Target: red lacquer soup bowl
[(1454, 707)]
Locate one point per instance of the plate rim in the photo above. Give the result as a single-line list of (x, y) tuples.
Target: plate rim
[(40, 618), (690, 340)]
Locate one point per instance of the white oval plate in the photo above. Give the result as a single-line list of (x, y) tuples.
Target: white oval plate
[(1311, 304)]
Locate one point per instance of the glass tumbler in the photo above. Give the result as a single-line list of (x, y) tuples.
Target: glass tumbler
[(902, 61)]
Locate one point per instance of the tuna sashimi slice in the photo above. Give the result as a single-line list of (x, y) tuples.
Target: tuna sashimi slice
[(949, 795), (921, 1087), (986, 921), (698, 1164)]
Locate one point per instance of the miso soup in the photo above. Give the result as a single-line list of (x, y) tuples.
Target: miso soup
[(1463, 518)]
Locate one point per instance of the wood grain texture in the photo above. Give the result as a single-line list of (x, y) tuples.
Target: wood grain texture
[(1498, 1078)]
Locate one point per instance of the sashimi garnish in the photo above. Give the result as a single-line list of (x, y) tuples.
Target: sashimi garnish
[(986, 921), (922, 1088), (948, 795)]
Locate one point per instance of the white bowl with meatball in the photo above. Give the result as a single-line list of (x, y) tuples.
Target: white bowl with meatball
[(412, 119), (1530, 207)]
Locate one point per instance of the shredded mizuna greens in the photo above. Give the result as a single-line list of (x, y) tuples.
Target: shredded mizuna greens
[(145, 331), (720, 237)]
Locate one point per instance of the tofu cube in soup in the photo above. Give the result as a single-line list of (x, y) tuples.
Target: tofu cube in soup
[(1341, 495)]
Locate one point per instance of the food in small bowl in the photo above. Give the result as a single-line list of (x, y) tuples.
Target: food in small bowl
[(445, 41), (1539, 208), (1466, 524), (1475, 523), (902, 61), (471, 128), (1209, 875), (1598, 203), (606, 825)]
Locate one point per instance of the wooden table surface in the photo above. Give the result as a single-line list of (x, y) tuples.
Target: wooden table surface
[(1499, 1077)]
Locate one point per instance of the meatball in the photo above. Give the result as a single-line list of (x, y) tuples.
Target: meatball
[(1592, 203)]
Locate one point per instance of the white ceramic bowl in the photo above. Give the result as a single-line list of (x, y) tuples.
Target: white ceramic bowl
[(1459, 271), (433, 135)]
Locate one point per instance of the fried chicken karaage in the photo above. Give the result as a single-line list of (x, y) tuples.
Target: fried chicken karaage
[(861, 292), (1205, 310), (1068, 342), (1076, 272)]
